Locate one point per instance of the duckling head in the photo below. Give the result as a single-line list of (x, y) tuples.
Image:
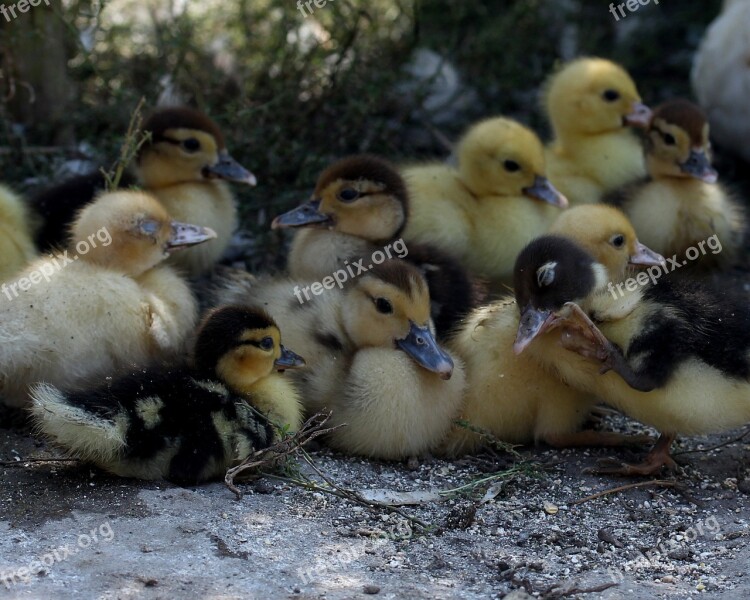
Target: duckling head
[(501, 157), (130, 231), (186, 146), (240, 345), (678, 144), (549, 272), (608, 235), (590, 96), (389, 307), (362, 195)]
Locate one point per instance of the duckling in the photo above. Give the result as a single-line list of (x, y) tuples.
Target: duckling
[(185, 424), (373, 359), (184, 165), (359, 210), (16, 247), (681, 205), (71, 316), (510, 396), (673, 355), (487, 210), (590, 104)]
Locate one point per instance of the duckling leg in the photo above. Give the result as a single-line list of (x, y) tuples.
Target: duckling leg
[(655, 461), (591, 438)]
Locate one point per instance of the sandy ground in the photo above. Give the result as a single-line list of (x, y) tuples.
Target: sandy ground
[(69, 531)]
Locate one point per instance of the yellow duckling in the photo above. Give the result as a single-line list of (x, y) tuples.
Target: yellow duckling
[(16, 247), (682, 205), (101, 306), (512, 397), (373, 359), (183, 424), (487, 210), (591, 103)]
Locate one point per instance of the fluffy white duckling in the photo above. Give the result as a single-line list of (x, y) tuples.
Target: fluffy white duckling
[(102, 305)]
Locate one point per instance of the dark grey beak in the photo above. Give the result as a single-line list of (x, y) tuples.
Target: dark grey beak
[(421, 345), (305, 214), (542, 189), (645, 257), (699, 166), (289, 360), (229, 169), (534, 322)]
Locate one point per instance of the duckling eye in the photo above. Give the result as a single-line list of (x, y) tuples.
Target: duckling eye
[(383, 306), (669, 139), (348, 195), (618, 241), (149, 227), (266, 343), (191, 145), (611, 95), (511, 166)]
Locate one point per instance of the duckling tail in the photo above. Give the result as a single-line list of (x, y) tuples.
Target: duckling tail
[(83, 432)]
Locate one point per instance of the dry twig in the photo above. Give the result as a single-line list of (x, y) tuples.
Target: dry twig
[(289, 445), (639, 484)]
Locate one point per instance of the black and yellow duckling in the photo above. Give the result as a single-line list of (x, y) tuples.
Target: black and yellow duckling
[(185, 165), (185, 424), (591, 103), (672, 355), (486, 210), (681, 205), (360, 206), (373, 359), (512, 397), (105, 304), (16, 245)]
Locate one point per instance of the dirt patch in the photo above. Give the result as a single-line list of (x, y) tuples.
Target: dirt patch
[(280, 541)]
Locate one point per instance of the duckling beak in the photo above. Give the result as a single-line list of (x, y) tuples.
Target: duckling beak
[(699, 166), (421, 345), (289, 360), (185, 235), (645, 257), (305, 214), (543, 190), (229, 169), (639, 116), (534, 322)]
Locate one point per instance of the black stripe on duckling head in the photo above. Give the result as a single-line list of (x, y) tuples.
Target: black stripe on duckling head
[(553, 270), (221, 332), (685, 115), (401, 275), (371, 168), (165, 119)]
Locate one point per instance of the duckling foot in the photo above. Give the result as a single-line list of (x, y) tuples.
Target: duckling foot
[(582, 336), (655, 461)]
